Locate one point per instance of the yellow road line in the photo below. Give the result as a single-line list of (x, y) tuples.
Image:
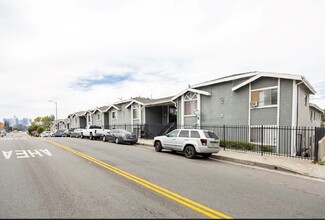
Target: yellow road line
[(169, 194)]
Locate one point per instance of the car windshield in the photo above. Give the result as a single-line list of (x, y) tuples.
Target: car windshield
[(210, 134)]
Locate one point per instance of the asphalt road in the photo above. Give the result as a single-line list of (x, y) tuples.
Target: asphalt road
[(80, 178)]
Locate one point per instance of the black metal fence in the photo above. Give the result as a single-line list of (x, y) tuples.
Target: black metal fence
[(298, 142)]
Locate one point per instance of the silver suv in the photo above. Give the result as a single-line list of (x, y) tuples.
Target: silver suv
[(189, 141)]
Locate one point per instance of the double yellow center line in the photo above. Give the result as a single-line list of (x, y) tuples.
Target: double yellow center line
[(171, 195)]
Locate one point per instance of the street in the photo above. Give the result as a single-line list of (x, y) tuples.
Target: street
[(80, 178)]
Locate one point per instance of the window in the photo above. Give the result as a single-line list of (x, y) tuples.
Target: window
[(173, 133), (184, 133), (195, 134), (114, 115), (98, 116), (314, 115), (210, 134), (88, 118), (306, 100), (136, 111), (265, 97), (190, 103)]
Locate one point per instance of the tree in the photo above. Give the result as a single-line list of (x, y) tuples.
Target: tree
[(41, 124)]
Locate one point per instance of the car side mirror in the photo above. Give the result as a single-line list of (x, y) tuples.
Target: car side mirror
[(167, 135)]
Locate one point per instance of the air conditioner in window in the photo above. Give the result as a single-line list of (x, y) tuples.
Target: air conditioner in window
[(253, 104)]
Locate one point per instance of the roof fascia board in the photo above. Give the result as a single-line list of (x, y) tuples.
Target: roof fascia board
[(121, 102), (308, 85), (275, 75), (316, 107), (133, 101), (192, 90), (246, 82), (224, 79), (113, 107)]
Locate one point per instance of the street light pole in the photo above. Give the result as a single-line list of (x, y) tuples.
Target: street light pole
[(56, 109)]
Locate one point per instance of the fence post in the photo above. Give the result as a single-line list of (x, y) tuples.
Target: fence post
[(137, 130), (224, 137), (316, 146), (262, 140)]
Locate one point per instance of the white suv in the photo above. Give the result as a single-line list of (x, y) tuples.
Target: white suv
[(189, 141)]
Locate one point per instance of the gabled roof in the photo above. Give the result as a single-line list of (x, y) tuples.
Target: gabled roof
[(112, 106), (139, 100), (101, 109), (81, 113), (165, 100), (71, 115), (90, 111), (150, 102), (252, 76), (191, 90), (312, 105), (65, 121)]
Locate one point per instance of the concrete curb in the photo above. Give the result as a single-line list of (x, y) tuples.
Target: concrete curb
[(253, 163)]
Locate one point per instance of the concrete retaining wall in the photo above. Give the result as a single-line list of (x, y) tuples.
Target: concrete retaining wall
[(321, 148)]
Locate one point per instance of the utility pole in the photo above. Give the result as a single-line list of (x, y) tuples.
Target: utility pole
[(56, 109)]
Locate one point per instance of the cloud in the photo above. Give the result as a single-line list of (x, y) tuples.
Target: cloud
[(84, 54)]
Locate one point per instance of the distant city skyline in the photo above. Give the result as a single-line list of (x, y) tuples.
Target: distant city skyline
[(16, 121)]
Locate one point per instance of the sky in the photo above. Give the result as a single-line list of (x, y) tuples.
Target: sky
[(86, 54)]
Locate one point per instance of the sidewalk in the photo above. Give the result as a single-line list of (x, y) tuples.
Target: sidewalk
[(293, 165)]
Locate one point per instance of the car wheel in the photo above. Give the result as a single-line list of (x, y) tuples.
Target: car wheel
[(81, 136), (104, 139), (90, 136), (206, 155), (189, 152), (117, 141), (158, 146)]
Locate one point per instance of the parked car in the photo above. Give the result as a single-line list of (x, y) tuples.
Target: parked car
[(67, 132), (76, 132), (58, 133), (191, 142), (93, 132), (46, 134), (120, 136)]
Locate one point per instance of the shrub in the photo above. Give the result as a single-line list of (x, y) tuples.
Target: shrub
[(240, 145)]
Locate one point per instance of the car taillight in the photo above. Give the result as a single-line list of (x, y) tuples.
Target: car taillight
[(204, 141)]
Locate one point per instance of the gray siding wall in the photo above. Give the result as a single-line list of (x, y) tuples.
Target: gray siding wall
[(285, 102), (264, 116), (190, 120), (264, 82), (179, 110), (315, 117), (233, 111), (100, 121), (73, 123), (123, 115), (88, 119), (303, 109)]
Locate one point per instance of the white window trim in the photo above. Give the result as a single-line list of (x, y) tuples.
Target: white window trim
[(190, 100), (262, 89), (115, 115), (138, 107)]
